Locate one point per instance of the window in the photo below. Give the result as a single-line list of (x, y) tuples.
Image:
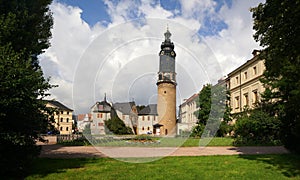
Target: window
[(237, 80), (61, 112), (246, 97), (148, 128), (143, 118), (67, 112), (100, 124), (245, 75), (159, 77), (166, 131), (61, 119), (67, 120), (255, 96), (143, 128), (254, 70), (67, 128), (148, 118), (165, 92), (237, 102), (61, 128), (99, 115), (154, 118)]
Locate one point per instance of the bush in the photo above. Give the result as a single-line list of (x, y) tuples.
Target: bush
[(224, 129), (142, 137), (76, 142), (197, 130), (257, 128)]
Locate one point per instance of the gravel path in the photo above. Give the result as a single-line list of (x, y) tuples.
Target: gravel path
[(58, 151)]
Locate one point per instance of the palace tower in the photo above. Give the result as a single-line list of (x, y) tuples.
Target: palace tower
[(166, 87)]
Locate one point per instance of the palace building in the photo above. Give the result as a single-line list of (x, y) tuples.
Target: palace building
[(244, 84)]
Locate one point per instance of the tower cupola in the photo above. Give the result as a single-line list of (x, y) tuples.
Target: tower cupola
[(167, 60)]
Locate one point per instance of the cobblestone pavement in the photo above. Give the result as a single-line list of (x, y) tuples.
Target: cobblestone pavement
[(58, 151)]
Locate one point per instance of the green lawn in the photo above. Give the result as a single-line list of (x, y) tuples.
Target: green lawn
[(165, 142), (216, 141), (202, 167)]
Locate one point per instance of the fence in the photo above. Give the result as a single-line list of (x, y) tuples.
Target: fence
[(67, 137)]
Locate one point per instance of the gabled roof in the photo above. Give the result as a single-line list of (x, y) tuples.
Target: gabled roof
[(125, 107), (102, 106), (194, 97), (151, 109), (58, 105)]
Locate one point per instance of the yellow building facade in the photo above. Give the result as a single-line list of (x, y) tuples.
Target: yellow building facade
[(244, 84), (62, 116)]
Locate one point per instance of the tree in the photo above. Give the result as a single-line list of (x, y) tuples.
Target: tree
[(278, 31), (204, 104), (213, 113), (26, 24), (115, 125), (24, 34)]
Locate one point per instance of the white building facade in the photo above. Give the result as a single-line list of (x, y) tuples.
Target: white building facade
[(148, 120), (187, 114), (100, 112)]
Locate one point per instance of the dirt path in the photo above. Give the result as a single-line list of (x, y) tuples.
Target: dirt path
[(58, 151)]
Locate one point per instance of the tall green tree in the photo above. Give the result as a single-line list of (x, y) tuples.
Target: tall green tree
[(278, 31), (24, 34), (213, 114), (26, 24), (204, 104)]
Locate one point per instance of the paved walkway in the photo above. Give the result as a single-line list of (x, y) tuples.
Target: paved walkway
[(58, 151)]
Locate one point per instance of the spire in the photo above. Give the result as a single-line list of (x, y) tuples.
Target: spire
[(167, 34), (104, 97)]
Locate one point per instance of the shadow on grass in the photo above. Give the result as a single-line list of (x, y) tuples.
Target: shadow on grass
[(260, 150), (54, 159), (287, 164), (41, 167)]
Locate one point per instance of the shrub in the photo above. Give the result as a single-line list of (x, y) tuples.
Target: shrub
[(142, 137), (257, 128), (197, 130), (76, 142)]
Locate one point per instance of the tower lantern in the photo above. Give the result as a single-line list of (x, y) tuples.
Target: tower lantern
[(166, 87)]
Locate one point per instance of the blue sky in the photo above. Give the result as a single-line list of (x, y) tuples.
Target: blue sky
[(95, 11), (103, 46)]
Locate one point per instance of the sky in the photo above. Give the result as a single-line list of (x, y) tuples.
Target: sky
[(107, 47)]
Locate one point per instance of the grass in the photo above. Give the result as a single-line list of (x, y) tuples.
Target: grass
[(163, 142), (202, 167)]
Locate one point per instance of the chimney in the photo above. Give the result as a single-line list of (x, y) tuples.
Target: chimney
[(255, 52)]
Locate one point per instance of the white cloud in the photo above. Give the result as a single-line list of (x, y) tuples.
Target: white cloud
[(122, 59), (234, 45)]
